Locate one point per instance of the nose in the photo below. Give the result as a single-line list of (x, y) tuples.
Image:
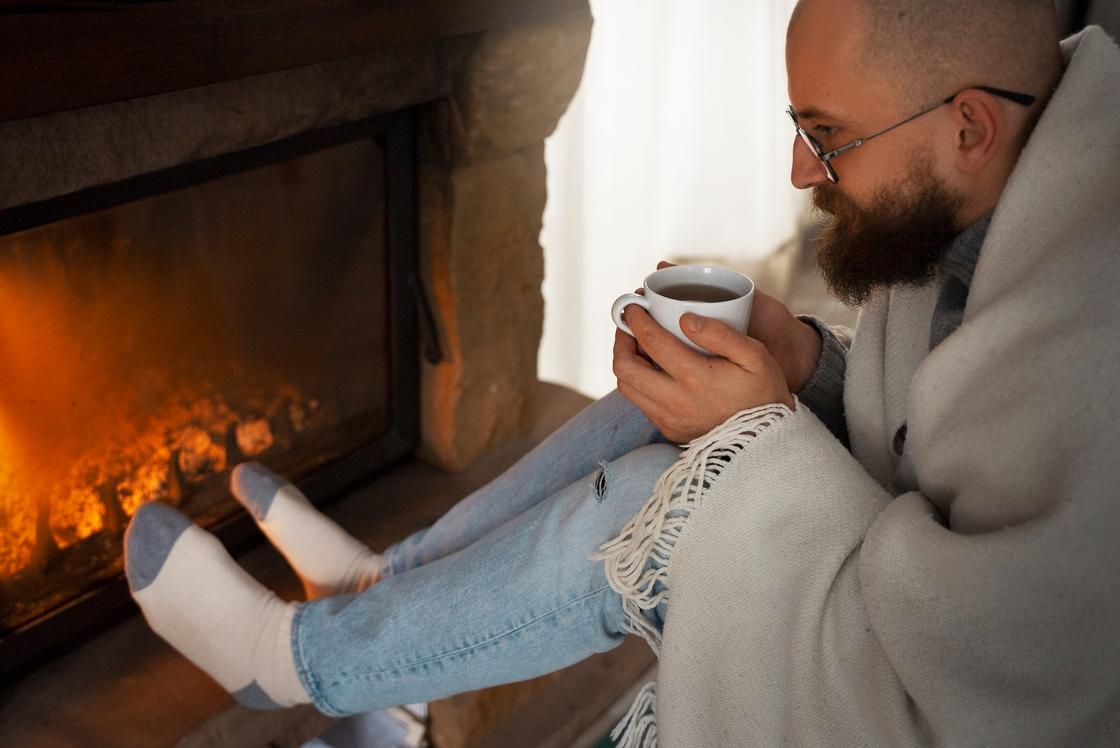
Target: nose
[(807, 171)]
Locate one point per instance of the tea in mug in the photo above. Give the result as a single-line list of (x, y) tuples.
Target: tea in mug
[(697, 292)]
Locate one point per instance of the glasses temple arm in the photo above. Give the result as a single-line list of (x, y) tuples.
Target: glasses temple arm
[(1019, 98), (857, 143)]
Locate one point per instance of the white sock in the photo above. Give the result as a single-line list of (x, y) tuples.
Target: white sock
[(206, 606), (327, 558)]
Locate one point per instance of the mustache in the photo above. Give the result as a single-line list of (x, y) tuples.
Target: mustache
[(831, 201)]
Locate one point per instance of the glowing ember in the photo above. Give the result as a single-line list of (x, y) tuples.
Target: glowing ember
[(253, 436), (144, 470), (77, 516), (200, 455), (150, 482), (298, 413)]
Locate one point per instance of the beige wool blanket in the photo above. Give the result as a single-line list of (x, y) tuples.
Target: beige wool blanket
[(967, 593)]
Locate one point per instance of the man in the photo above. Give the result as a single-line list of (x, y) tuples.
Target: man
[(955, 578), (951, 577)]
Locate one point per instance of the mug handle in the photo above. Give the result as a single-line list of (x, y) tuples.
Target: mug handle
[(621, 303)]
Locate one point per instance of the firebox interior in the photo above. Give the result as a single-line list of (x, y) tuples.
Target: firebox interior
[(259, 307)]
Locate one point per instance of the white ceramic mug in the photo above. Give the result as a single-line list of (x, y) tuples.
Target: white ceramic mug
[(666, 311)]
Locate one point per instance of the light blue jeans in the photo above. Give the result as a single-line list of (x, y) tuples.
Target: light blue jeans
[(500, 589)]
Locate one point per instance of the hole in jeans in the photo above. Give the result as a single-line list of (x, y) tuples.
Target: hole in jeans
[(601, 482)]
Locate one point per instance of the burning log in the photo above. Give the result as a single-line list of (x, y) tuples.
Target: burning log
[(300, 413), (76, 514), (199, 455), (253, 436)]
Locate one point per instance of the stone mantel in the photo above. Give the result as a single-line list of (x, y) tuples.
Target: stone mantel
[(61, 55)]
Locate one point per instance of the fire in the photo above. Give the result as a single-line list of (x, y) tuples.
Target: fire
[(118, 385), (17, 518)]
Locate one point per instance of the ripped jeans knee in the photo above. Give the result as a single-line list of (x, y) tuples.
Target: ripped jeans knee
[(629, 481)]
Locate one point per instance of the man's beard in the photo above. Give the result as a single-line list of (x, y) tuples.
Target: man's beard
[(897, 239)]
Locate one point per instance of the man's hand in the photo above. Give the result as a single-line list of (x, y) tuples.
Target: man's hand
[(795, 345), (691, 393)]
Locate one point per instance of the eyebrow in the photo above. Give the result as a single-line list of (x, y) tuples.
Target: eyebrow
[(818, 114)]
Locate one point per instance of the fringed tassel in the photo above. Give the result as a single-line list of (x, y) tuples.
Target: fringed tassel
[(638, 729), (652, 535), (653, 532)]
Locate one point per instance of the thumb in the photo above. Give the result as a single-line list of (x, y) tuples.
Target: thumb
[(723, 340)]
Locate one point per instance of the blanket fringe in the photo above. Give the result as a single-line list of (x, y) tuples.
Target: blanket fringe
[(638, 729), (637, 561), (653, 532)]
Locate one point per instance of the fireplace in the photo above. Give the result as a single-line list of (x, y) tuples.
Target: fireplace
[(153, 333), (305, 234)]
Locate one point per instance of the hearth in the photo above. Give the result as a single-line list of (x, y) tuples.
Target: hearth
[(154, 332)]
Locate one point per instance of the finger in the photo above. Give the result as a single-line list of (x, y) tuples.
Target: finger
[(628, 353), (723, 340), (663, 347), (624, 343), (665, 264), (640, 373), (641, 351), (626, 346)]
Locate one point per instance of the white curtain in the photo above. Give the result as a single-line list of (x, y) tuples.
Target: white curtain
[(676, 145)]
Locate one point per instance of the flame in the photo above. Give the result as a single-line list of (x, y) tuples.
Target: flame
[(17, 518), (116, 386)]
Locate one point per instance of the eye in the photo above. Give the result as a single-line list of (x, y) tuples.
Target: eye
[(824, 131)]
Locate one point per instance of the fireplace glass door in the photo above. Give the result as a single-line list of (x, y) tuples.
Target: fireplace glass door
[(255, 307)]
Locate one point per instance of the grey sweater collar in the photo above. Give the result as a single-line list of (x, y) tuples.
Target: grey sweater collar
[(957, 267), (960, 259)]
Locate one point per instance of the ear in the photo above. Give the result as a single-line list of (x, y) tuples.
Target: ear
[(981, 127)]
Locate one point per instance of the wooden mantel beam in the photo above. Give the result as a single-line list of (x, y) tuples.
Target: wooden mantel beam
[(63, 55)]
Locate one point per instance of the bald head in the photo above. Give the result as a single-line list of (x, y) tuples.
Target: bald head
[(928, 49)]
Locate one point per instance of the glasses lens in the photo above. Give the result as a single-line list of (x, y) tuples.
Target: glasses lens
[(814, 147), (818, 151)]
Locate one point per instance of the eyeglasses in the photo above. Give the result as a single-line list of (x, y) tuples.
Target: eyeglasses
[(825, 157)]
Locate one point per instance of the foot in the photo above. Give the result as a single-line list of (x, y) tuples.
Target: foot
[(197, 598), (327, 558)]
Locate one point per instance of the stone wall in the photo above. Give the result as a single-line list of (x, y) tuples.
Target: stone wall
[(482, 182)]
